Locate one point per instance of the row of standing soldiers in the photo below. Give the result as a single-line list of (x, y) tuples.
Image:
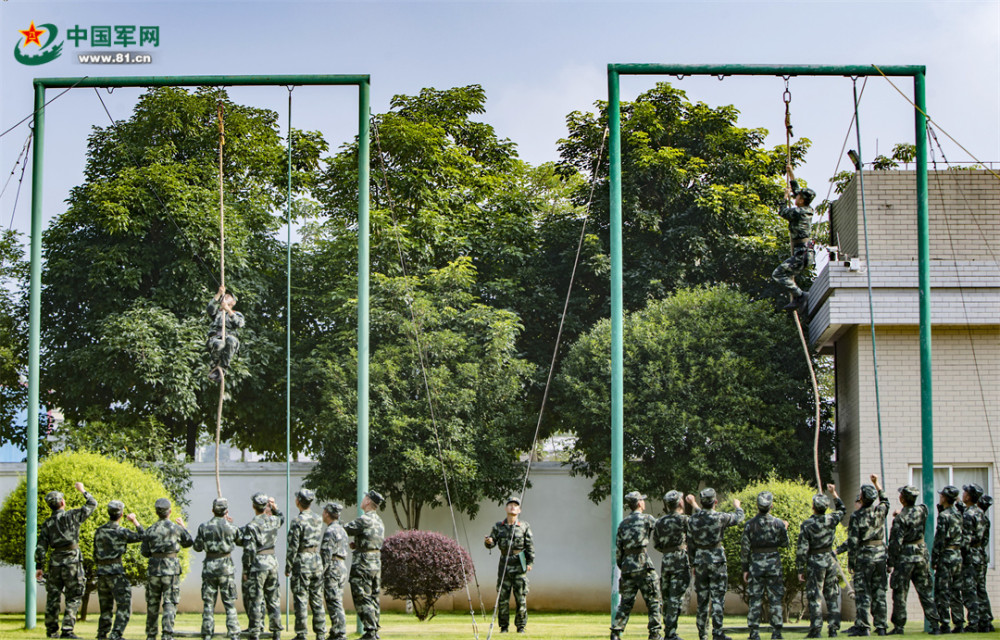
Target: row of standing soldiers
[(693, 545), (315, 565)]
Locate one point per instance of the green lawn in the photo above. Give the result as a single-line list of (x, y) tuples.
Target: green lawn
[(446, 626)]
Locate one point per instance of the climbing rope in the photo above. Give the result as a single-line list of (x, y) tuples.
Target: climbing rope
[(222, 301)]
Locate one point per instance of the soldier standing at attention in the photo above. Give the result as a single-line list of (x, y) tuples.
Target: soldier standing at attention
[(637, 571), (670, 539), (334, 553), (984, 597), (909, 561), (817, 563), (705, 529), (305, 567), (366, 563), (799, 225), (867, 538), (946, 561), (110, 543), (974, 560), (161, 543), (61, 531), (517, 555), (763, 538), (261, 566), (216, 538)]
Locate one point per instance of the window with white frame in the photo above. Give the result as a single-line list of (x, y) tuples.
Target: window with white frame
[(959, 475)]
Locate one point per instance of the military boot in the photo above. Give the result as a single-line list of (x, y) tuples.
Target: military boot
[(880, 631), (897, 631), (754, 635), (958, 628), (615, 636), (856, 632), (813, 632), (776, 633)]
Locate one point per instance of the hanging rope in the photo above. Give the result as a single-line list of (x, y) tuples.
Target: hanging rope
[(222, 289), (288, 347)]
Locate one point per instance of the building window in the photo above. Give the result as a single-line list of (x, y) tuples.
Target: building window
[(960, 476)]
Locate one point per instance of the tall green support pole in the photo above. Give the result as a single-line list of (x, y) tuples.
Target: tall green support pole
[(363, 278), (34, 341), (288, 352), (617, 352), (924, 257)]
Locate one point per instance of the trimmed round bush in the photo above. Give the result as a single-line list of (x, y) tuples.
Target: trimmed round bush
[(422, 566)]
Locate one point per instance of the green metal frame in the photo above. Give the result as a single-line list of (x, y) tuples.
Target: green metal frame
[(615, 71), (363, 82)]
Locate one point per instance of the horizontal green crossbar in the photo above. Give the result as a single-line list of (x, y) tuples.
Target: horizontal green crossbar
[(765, 70), (201, 81)]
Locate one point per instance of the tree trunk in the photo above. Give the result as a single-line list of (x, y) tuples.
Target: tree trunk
[(83, 607), (191, 445)]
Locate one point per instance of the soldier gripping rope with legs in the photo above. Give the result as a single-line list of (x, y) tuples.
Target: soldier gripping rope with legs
[(304, 566), (261, 566), (61, 532), (817, 564), (637, 571), (217, 538), (763, 538), (799, 219), (334, 551), (220, 309), (517, 555), (366, 562), (705, 529), (161, 542), (670, 539), (946, 561), (909, 561), (113, 587)]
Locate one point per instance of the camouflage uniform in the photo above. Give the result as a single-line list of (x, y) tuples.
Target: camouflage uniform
[(517, 553), (910, 562), (366, 565), (984, 597), (815, 559), (866, 540), (61, 531), (761, 543), (974, 557), (799, 227), (670, 539), (705, 529), (946, 561), (637, 571), (113, 588), (217, 538), (262, 597), (334, 551), (161, 542), (302, 559), (222, 353)]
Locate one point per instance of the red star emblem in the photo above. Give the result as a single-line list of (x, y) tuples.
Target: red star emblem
[(31, 35)]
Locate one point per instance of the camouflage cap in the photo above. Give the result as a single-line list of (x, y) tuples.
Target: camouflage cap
[(116, 508), (820, 502), (910, 492), (673, 497), (333, 508), (950, 492), (807, 193), (162, 506), (974, 490), (376, 498), (54, 499), (986, 502), (259, 499), (514, 499), (764, 500), (305, 496), (868, 493), (220, 506), (708, 495), (632, 499)]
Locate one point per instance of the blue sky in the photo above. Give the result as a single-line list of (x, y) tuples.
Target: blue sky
[(538, 61)]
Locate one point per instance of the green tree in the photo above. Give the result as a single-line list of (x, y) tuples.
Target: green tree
[(145, 224), (716, 391), (106, 479), (476, 381), (13, 338)]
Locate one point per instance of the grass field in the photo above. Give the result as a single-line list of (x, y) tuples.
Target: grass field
[(445, 626)]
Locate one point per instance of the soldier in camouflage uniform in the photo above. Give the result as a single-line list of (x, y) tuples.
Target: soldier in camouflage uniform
[(946, 561), (909, 561), (61, 531), (705, 529), (334, 550), (305, 567), (974, 559), (517, 555), (866, 537), (217, 538), (366, 563), (262, 596), (763, 538), (799, 225), (984, 597), (817, 564), (637, 571), (161, 542), (670, 539), (110, 543), (219, 307)]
